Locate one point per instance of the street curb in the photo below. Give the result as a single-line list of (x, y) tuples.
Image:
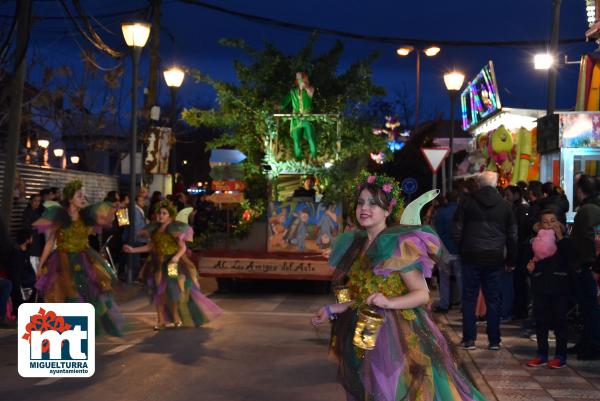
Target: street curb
[(466, 362)]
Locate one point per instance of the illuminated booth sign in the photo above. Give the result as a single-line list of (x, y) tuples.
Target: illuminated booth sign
[(480, 98)]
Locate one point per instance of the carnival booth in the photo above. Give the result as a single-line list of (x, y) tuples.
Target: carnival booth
[(570, 144), (504, 138)]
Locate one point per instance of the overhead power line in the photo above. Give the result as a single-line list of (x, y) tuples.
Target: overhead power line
[(101, 16), (376, 38)]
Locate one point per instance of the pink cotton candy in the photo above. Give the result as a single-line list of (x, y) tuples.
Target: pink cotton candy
[(544, 245)]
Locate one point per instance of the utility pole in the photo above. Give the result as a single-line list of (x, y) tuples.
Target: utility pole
[(552, 72), (16, 107), (153, 80)]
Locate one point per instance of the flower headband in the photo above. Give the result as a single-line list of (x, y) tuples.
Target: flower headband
[(168, 206), (388, 185), (70, 188)]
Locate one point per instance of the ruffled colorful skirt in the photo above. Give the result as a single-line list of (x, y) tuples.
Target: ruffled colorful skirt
[(194, 308), (411, 361), (83, 277)]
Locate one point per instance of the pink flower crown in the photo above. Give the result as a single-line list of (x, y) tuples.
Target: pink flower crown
[(388, 185)]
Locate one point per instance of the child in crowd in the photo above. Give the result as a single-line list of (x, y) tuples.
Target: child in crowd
[(548, 266)]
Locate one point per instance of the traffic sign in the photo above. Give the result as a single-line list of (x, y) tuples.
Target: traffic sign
[(435, 157), (409, 186)]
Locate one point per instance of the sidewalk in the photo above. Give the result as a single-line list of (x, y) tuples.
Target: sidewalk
[(503, 376)]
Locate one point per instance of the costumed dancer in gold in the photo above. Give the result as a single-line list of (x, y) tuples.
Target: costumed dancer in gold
[(74, 272), (383, 335), (171, 276)]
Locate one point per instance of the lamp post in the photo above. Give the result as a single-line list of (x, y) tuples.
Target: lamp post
[(174, 78), (454, 81), (44, 143), (59, 153), (429, 52), (136, 35)]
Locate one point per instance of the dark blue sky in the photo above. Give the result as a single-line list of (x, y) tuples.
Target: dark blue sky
[(190, 36)]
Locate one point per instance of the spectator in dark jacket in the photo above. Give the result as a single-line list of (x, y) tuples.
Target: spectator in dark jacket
[(514, 194), (556, 200), (535, 197), (32, 212), (450, 263), (486, 232), (586, 230), (22, 274)]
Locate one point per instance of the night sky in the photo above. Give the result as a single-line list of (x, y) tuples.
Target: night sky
[(189, 38)]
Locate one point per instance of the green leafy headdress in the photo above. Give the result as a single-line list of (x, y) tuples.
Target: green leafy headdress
[(166, 204), (389, 186), (70, 189)]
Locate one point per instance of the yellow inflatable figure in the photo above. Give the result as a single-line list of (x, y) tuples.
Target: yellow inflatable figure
[(534, 168), (500, 148), (523, 156)]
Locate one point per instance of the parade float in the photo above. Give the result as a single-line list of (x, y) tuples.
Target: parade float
[(302, 127), (504, 139)]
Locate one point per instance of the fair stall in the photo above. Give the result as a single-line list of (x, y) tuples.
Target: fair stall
[(570, 144), (504, 138)]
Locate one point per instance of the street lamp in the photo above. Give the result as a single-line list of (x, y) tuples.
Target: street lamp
[(429, 52), (136, 35), (59, 153), (44, 143), (174, 78), (75, 159), (543, 61), (454, 81)]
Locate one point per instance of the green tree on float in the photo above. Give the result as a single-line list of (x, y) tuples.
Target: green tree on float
[(246, 109)]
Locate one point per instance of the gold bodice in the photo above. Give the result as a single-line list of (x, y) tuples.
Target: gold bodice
[(73, 238), (363, 282), (164, 244)]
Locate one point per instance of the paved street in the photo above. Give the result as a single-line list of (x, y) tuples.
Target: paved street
[(265, 349)]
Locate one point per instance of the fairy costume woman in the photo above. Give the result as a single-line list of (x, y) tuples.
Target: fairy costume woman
[(171, 275), (384, 267), (74, 272)]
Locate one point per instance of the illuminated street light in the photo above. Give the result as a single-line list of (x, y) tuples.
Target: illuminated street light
[(75, 159), (58, 152), (543, 61), (429, 52), (136, 33), (454, 81), (404, 50), (174, 78), (44, 143)]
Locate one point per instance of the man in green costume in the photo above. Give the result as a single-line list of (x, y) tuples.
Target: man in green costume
[(301, 99)]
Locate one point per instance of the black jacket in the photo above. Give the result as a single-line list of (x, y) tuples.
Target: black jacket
[(486, 229), (39, 240), (586, 227), (551, 275), (21, 273)]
